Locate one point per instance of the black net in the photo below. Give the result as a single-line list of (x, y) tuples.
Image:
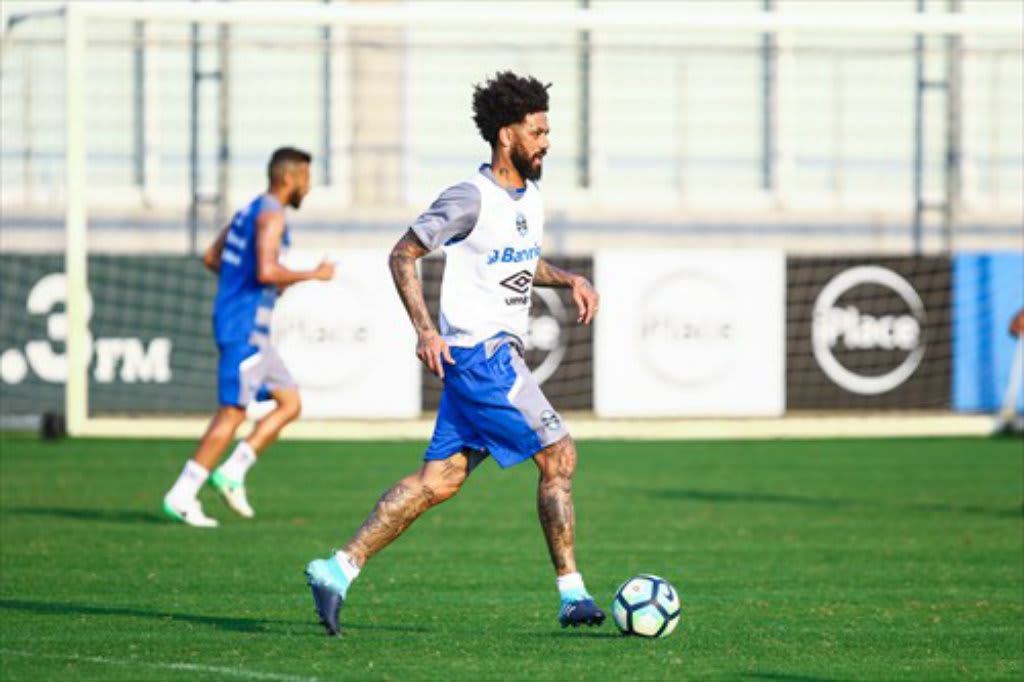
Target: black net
[(868, 333)]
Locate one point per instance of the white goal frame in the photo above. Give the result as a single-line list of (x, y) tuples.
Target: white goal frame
[(670, 19)]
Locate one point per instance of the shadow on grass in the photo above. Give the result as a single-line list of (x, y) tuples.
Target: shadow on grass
[(731, 496), (372, 627), (785, 677), (69, 609), (574, 634), (220, 622), (130, 516)]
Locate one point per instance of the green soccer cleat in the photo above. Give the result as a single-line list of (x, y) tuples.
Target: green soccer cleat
[(233, 494), (190, 513)]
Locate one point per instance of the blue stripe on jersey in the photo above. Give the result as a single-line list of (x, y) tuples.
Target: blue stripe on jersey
[(240, 296)]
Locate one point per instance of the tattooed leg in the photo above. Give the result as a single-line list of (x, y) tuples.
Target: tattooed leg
[(557, 462), (436, 482)]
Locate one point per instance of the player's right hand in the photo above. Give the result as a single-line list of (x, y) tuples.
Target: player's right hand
[(1017, 324), (324, 271), (433, 352)]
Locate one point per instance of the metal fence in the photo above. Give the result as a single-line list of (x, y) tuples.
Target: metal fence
[(183, 115)]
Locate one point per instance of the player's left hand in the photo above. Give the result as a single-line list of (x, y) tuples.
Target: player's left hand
[(586, 299)]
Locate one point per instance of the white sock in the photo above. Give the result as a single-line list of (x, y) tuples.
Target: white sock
[(192, 478), (571, 587), (238, 464), (348, 566)]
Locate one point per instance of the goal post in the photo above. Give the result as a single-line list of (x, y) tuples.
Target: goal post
[(76, 226)]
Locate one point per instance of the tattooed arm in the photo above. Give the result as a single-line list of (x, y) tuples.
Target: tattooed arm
[(430, 347), (402, 262), (547, 275), (583, 292)]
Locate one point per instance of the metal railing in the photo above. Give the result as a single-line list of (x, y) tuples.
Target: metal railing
[(657, 121)]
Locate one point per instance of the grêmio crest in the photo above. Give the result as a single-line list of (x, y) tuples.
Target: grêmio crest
[(521, 225)]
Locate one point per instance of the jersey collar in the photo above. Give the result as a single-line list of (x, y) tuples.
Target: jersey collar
[(514, 193)]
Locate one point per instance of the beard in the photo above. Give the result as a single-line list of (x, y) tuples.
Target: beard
[(524, 164), (295, 200)]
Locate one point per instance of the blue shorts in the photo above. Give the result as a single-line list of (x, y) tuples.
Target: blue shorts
[(246, 372), (492, 404)]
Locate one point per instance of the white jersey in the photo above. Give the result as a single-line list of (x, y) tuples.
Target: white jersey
[(491, 237)]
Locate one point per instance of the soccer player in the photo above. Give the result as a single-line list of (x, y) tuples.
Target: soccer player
[(246, 256), (490, 228), (1007, 421)]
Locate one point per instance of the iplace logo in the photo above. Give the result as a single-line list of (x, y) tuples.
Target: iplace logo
[(325, 331), (867, 330), (689, 327)]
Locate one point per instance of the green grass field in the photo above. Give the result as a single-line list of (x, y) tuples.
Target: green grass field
[(798, 560)]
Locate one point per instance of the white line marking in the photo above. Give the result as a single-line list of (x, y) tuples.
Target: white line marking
[(197, 667)]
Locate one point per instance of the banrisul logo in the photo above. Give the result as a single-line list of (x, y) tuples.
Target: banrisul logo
[(868, 328), (521, 225), (513, 255)]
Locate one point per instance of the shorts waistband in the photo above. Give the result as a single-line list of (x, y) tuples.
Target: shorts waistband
[(492, 344)]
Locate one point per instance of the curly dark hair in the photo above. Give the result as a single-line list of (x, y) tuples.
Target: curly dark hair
[(504, 100)]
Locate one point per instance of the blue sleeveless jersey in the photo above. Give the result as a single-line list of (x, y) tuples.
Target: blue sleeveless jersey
[(243, 306)]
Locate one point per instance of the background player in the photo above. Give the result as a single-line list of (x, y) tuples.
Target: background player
[(491, 228), (247, 256), (1007, 421)]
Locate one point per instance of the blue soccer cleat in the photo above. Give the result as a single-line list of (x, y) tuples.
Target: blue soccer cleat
[(576, 612), (329, 585)]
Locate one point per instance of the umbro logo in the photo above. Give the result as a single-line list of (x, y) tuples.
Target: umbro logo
[(519, 282)]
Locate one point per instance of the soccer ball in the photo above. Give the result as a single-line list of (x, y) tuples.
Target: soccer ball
[(646, 605)]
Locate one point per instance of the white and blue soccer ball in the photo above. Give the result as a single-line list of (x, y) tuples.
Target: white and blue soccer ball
[(646, 606)]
